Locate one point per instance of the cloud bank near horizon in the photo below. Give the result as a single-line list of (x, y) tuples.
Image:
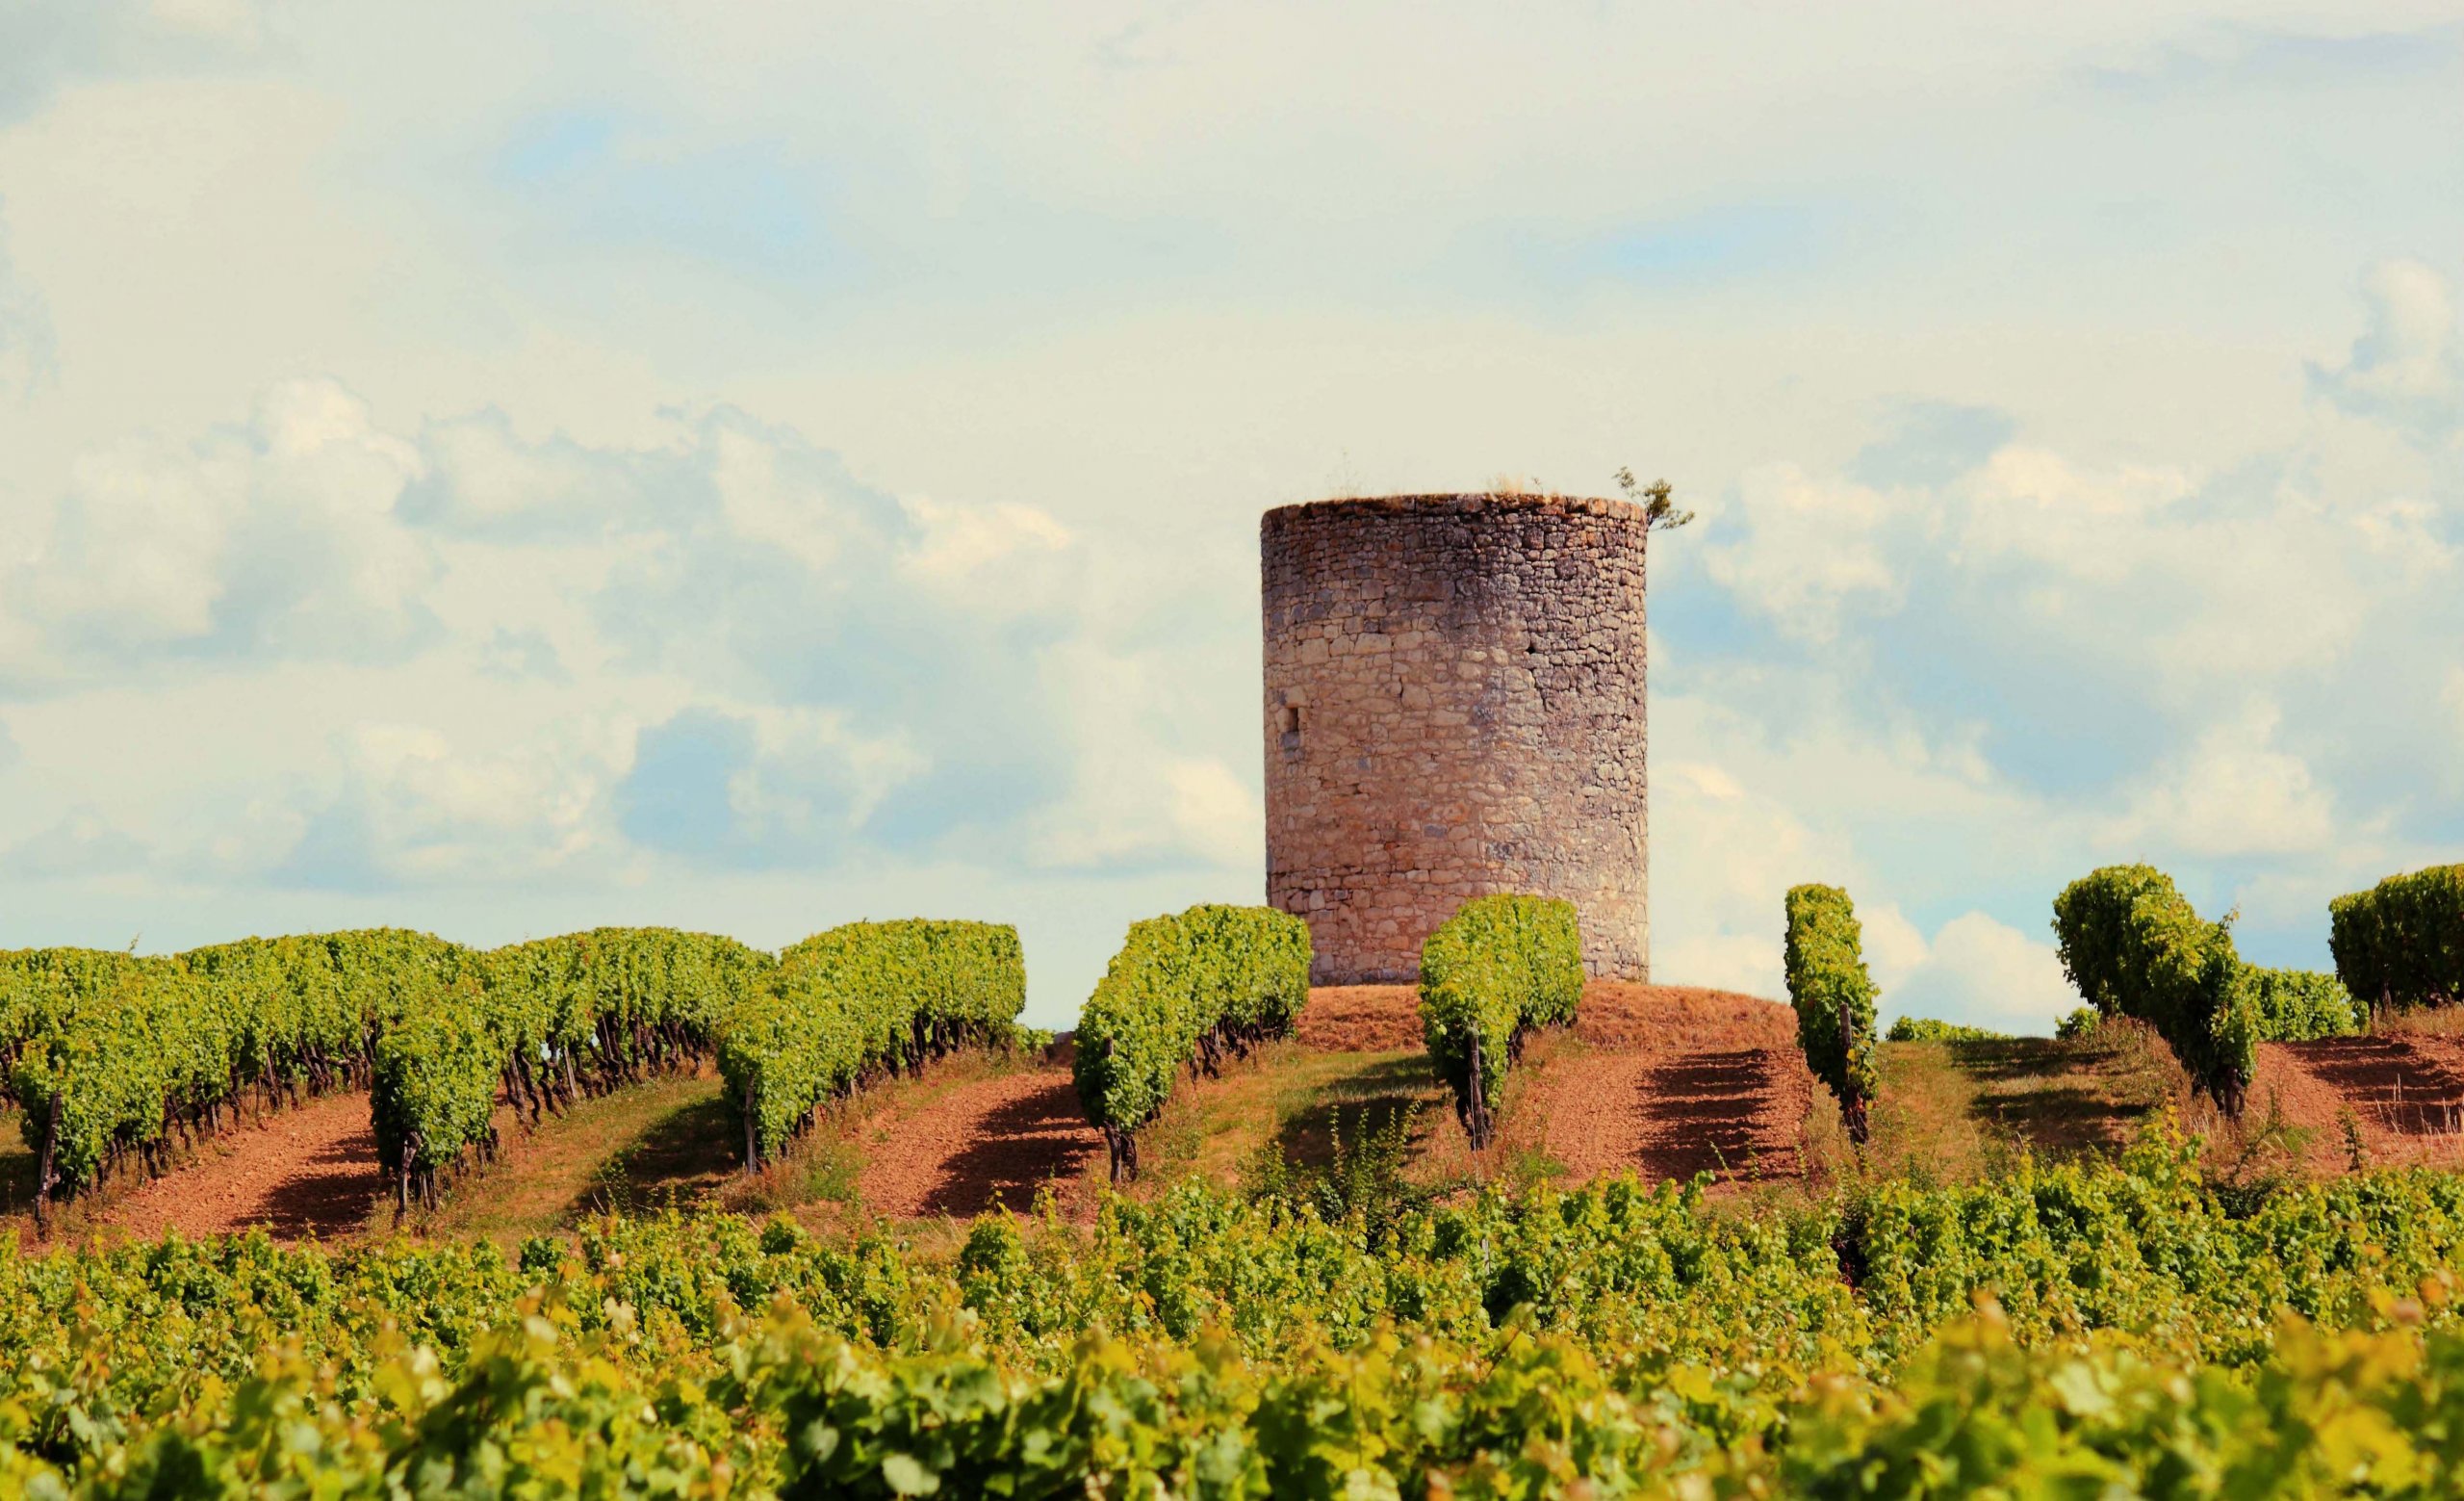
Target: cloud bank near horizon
[(707, 475)]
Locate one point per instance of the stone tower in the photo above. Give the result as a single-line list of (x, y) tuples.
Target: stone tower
[(1454, 708)]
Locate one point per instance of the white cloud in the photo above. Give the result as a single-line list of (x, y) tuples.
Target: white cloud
[(1894, 948), (81, 844), (272, 539), (1723, 859), (1135, 799), (1985, 972), (1002, 559), (2233, 792), (2093, 527), (412, 807), (1813, 552), (2408, 366), (481, 477)]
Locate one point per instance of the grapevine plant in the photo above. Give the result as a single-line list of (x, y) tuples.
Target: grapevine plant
[(2401, 944), (2133, 946), (1833, 997), (114, 1059), (2072, 1328), (1183, 991), (1500, 967), (858, 1001)]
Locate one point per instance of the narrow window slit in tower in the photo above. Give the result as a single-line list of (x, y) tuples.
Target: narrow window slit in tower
[(1291, 727)]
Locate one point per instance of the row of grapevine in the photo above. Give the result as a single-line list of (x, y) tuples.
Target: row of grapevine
[(2135, 1331), (541, 1023), (1925, 1029), (1500, 967), (116, 1057), (798, 1412), (858, 1001), (1183, 989), (113, 1057), (2401, 943), (2300, 1006), (1833, 997), (2133, 946)]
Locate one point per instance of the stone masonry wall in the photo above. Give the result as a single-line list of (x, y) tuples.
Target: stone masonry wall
[(1455, 708)]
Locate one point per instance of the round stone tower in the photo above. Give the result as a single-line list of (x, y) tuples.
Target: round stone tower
[(1455, 708)]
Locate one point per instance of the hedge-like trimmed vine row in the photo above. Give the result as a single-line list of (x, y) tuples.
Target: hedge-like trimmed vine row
[(1833, 997), (1501, 967), (2136, 947), (544, 1023), (118, 1054), (2401, 943), (2300, 1006), (113, 1055), (1182, 989), (860, 1000)]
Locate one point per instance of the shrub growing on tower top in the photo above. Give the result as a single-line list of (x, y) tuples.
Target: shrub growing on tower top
[(1833, 997), (1498, 968), (1182, 990)]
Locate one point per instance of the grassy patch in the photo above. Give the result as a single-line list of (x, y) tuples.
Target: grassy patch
[(1955, 1112), (639, 1149), (1287, 1097)]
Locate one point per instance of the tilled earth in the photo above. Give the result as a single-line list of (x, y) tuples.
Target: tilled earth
[(312, 1170)]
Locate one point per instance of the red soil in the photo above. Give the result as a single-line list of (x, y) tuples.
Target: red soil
[(1361, 1019), (2403, 1092), (1674, 1081), (309, 1171), (1669, 1081), (982, 1144)]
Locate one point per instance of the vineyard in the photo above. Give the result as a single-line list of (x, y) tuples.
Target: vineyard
[(644, 1212)]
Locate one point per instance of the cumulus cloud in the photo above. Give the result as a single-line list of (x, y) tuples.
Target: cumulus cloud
[(759, 788), (827, 670), (411, 807), (82, 844), (2233, 791), (1724, 858), (1983, 972), (270, 539), (2408, 366), (515, 655), (1812, 551), (481, 477)]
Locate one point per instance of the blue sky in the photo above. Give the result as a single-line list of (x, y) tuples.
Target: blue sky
[(502, 469)]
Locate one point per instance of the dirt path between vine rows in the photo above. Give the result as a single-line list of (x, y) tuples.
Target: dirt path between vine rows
[(1669, 1081), (2400, 1092), (982, 1145), (1674, 1081), (308, 1170)]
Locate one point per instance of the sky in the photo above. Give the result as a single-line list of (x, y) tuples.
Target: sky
[(503, 469)]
